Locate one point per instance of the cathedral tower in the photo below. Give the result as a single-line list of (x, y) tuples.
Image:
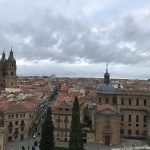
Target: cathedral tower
[(8, 77)]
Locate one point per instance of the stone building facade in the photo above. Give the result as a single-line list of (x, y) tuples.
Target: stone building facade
[(62, 116), (109, 117), (3, 138), (8, 77), (120, 115), (21, 118)]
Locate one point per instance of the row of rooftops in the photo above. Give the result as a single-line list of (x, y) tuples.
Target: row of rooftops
[(20, 102), (25, 98), (69, 89), (66, 96)]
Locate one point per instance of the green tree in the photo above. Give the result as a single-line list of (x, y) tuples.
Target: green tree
[(47, 137), (76, 141)]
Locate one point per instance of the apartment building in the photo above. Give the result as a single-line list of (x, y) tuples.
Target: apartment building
[(3, 138)]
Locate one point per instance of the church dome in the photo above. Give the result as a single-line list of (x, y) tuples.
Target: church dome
[(106, 74), (107, 88)]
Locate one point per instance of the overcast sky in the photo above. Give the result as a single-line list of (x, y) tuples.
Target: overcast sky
[(77, 37)]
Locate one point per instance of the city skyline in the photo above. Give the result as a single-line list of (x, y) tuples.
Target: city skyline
[(77, 38)]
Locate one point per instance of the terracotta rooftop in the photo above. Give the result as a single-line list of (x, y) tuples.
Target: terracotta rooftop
[(12, 107), (27, 105)]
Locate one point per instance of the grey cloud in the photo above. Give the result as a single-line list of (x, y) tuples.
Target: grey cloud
[(63, 39)]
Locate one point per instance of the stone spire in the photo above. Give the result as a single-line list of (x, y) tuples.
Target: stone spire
[(3, 56), (11, 57)]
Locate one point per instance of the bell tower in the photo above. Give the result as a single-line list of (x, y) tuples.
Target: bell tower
[(10, 72)]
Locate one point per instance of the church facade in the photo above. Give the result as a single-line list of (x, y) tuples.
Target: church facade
[(8, 77), (120, 115)]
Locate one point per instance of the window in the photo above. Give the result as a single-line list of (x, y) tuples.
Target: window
[(114, 100), (121, 131), (129, 101), (67, 109), (129, 119), (99, 99), (137, 125), (12, 83), (10, 123), (16, 115), (137, 132), (12, 73), (144, 119), (137, 102), (1, 84), (137, 118), (60, 109), (145, 102), (122, 101), (129, 132), (9, 138), (122, 117), (106, 99), (16, 122), (144, 125), (122, 124), (16, 130), (10, 130), (22, 128), (16, 136), (22, 121), (129, 124)]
